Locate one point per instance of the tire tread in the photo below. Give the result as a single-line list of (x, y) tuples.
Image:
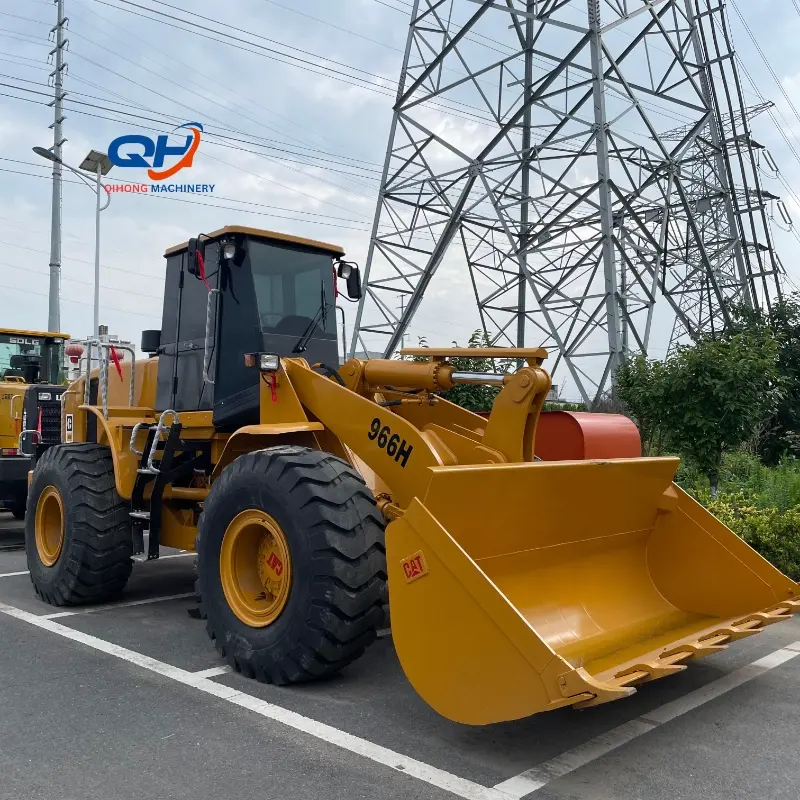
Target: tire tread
[(99, 542), (345, 532)]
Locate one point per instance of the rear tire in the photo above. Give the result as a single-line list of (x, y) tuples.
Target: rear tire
[(337, 562), (92, 561)]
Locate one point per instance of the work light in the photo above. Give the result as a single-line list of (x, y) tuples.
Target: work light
[(269, 362), (266, 362)]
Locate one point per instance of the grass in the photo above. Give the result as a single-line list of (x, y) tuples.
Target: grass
[(764, 487)]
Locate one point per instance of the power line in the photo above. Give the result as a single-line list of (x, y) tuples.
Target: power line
[(336, 225), (765, 60), (125, 290), (386, 88), (191, 108), (81, 302), (300, 158), (242, 169), (314, 214), (335, 27), (192, 69)]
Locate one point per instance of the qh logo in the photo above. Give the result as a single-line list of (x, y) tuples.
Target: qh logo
[(138, 151)]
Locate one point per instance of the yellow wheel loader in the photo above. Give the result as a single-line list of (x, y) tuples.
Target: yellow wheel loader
[(31, 374), (516, 584)]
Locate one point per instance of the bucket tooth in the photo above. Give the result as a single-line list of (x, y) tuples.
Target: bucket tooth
[(650, 671), (637, 674), (574, 686), (763, 618), (731, 634), (695, 650)]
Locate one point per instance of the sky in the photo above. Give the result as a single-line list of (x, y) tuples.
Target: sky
[(315, 139)]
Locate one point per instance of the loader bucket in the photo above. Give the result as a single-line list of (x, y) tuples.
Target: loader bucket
[(519, 588)]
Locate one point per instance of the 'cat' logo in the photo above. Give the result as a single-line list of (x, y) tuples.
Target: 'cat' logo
[(414, 567)]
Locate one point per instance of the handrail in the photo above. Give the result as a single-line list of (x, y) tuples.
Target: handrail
[(151, 467), (19, 397), (206, 350), (103, 357), (37, 440)]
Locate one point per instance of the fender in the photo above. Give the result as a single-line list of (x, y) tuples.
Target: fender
[(256, 437), (125, 462)]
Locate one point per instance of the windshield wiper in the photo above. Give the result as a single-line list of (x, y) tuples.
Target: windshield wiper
[(320, 316)]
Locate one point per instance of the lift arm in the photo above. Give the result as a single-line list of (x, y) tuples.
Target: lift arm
[(399, 451)]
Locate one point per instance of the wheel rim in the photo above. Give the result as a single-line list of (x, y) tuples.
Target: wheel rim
[(255, 568), (49, 526)]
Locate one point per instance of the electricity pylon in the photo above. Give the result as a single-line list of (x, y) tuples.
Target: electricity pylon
[(582, 160)]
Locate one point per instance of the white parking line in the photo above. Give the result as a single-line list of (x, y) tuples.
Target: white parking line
[(212, 672), (13, 574), (539, 776), (112, 606), (346, 741)]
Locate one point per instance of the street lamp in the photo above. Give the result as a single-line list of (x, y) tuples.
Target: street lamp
[(99, 164)]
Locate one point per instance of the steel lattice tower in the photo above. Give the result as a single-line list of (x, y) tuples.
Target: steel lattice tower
[(583, 160)]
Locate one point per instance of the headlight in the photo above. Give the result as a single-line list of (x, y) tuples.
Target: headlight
[(344, 270), (228, 251), (269, 362)]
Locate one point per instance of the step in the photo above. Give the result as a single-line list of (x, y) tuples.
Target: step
[(145, 471), (140, 515), (140, 558)]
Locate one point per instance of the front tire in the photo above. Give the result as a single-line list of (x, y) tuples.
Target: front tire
[(291, 564), (77, 529)]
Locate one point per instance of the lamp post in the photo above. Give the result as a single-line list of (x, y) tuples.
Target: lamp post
[(99, 164)]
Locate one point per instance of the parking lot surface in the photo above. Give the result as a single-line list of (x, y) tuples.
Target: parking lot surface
[(130, 699)]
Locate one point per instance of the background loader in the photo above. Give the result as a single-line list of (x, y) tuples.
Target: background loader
[(31, 375), (516, 585)]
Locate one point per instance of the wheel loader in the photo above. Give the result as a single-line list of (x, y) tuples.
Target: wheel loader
[(31, 373), (518, 581)]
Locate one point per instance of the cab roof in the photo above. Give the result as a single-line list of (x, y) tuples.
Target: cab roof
[(21, 332), (258, 233)]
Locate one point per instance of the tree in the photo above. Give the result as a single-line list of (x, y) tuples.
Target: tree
[(706, 399), (717, 392), (641, 386), (779, 433), (469, 396)]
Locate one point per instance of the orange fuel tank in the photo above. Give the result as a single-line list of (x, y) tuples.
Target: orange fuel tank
[(582, 436)]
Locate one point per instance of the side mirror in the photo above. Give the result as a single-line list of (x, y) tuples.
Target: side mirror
[(196, 258), (352, 275), (151, 342)]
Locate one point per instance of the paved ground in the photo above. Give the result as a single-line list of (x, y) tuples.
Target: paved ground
[(109, 704)]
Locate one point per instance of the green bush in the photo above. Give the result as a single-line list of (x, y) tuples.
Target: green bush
[(773, 533)]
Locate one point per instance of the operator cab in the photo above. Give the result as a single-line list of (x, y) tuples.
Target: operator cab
[(243, 290), (31, 357)]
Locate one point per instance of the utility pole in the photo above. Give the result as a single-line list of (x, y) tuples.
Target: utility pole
[(57, 76)]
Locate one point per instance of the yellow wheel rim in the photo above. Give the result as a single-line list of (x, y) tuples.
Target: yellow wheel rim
[(49, 526), (255, 568)]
